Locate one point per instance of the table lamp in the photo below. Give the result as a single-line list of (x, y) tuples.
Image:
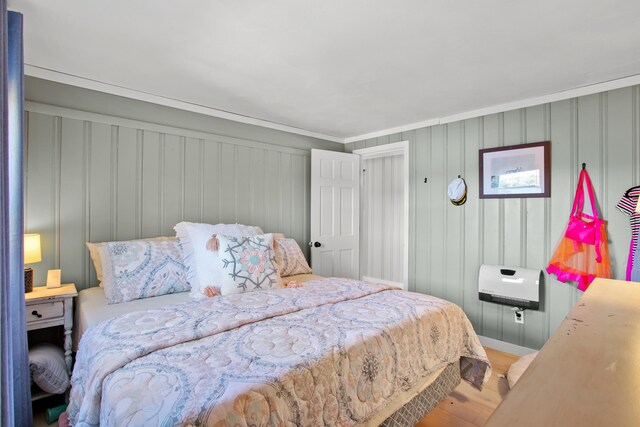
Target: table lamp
[(32, 254)]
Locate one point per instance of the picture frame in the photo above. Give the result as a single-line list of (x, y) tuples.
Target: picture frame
[(516, 171)]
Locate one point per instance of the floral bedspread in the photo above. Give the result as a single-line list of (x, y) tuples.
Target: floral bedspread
[(330, 353)]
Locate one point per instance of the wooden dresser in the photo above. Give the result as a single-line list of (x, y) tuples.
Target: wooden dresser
[(588, 373)]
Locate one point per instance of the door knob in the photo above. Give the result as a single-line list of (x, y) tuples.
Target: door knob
[(317, 244)]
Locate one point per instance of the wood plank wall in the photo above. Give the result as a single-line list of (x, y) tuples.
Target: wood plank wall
[(93, 178), (448, 244)]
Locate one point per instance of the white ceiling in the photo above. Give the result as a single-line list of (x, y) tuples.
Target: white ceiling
[(333, 67)]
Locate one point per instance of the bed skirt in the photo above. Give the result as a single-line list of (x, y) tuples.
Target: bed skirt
[(425, 401)]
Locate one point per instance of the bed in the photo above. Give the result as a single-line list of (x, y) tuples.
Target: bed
[(332, 352)]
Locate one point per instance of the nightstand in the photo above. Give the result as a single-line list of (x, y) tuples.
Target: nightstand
[(52, 307)]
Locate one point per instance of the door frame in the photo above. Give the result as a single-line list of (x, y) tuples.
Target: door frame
[(387, 150)]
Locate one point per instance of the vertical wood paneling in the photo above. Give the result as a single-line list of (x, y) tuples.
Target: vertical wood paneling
[(211, 181), (100, 185), (151, 186), (39, 204), (619, 172), (602, 130), (563, 183), (95, 181), (472, 236), (493, 229), (454, 223), (438, 240), (193, 179), (244, 178), (228, 184), (423, 208), (172, 183), (272, 192), (286, 187), (536, 128), (297, 199), (127, 184), (258, 189), (72, 202), (514, 224)]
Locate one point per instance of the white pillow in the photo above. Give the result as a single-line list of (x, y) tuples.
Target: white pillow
[(247, 264), (203, 264), (142, 268), (290, 259), (518, 367), (48, 368), (94, 252)]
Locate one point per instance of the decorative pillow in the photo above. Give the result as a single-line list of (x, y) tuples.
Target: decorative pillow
[(518, 367), (290, 259), (94, 252), (141, 269), (248, 264), (48, 368), (199, 255)]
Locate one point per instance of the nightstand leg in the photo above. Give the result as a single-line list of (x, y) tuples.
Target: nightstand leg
[(68, 326), (67, 348)]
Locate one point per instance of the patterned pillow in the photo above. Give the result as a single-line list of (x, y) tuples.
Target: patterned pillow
[(94, 251), (201, 259), (248, 264), (290, 259), (142, 268)]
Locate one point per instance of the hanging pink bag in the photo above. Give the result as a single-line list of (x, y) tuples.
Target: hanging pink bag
[(582, 254)]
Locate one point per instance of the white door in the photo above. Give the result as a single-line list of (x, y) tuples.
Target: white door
[(335, 214)]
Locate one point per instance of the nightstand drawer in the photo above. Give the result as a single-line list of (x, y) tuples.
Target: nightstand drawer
[(44, 310)]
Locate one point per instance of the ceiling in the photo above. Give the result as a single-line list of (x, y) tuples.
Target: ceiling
[(337, 69)]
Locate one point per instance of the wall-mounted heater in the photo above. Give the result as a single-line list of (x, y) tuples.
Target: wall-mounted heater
[(513, 286)]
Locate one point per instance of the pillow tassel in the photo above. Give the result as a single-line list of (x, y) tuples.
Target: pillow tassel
[(210, 291), (213, 244)]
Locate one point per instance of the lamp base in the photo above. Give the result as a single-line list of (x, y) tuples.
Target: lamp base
[(28, 280)]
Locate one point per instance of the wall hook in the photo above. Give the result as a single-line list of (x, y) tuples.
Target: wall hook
[(584, 166), (459, 176)]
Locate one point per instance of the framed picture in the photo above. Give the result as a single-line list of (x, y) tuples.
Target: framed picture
[(516, 171)]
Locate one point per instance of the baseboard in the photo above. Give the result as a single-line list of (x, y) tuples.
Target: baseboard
[(507, 347)]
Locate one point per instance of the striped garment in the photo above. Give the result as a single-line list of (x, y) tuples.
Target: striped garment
[(627, 205)]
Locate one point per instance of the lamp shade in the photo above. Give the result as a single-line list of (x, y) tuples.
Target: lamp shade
[(32, 252)]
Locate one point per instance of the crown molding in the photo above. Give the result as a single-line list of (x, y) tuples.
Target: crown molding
[(500, 108), (56, 76)]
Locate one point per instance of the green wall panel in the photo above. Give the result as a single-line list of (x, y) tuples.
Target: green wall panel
[(93, 177), (448, 244)]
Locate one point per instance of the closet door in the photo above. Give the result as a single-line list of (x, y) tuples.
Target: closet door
[(335, 214)]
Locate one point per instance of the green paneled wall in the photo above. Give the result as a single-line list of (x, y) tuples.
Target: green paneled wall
[(448, 243), (96, 177)]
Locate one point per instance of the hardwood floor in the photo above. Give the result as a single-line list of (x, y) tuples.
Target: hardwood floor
[(468, 407)]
